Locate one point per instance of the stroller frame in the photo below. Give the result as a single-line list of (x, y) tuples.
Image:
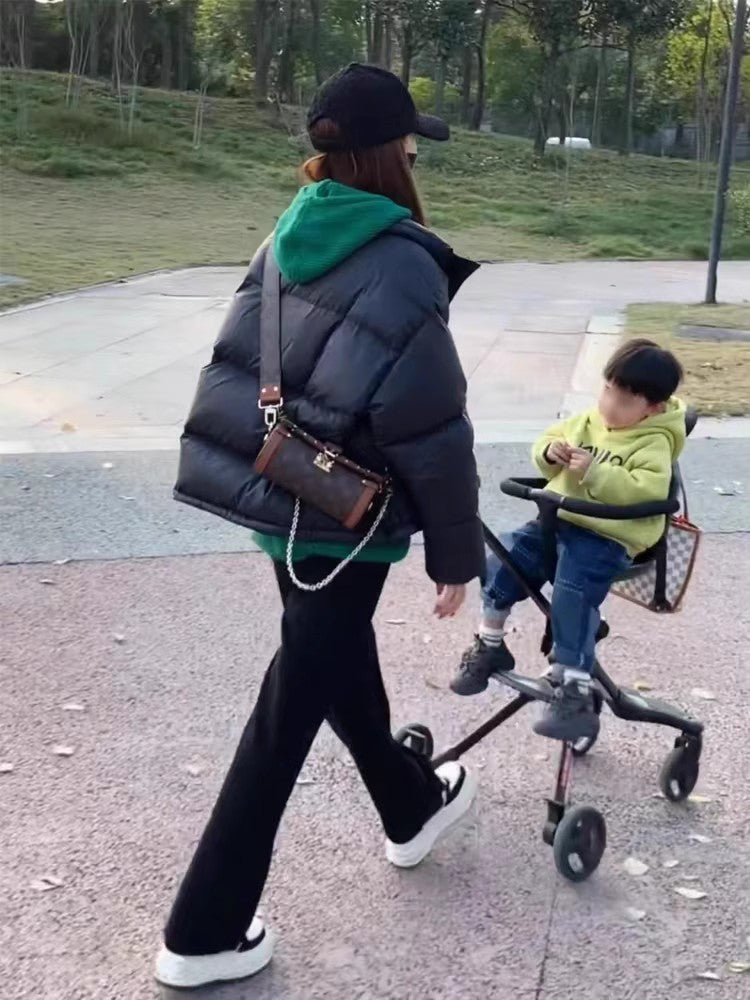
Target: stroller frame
[(577, 834)]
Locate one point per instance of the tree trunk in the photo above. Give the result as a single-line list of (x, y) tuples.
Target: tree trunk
[(544, 99), (626, 144), (315, 15), (265, 13), (481, 47), (369, 42), (388, 43), (407, 53), (286, 59), (378, 31), (183, 47), (440, 75), (601, 78), (166, 51), (562, 121), (466, 82)]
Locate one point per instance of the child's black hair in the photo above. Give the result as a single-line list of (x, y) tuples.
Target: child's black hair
[(645, 369)]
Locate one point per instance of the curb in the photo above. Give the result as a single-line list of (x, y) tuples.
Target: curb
[(603, 335)]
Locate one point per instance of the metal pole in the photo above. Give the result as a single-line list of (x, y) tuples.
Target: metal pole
[(726, 148)]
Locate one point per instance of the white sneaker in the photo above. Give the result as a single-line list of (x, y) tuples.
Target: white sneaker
[(460, 787), (189, 971)]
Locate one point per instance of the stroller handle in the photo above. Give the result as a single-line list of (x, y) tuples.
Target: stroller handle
[(535, 489)]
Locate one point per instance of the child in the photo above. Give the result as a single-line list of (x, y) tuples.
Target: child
[(619, 453)]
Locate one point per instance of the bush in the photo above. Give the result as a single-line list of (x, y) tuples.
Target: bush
[(71, 164), (741, 210)]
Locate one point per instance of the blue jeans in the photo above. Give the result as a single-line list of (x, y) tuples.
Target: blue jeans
[(587, 565)]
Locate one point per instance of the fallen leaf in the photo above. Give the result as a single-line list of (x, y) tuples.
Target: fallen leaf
[(62, 562), (658, 795), (711, 976), (50, 475), (67, 427), (60, 750), (108, 465), (123, 497), (47, 582), (688, 893), (395, 621), (541, 756), (73, 706), (633, 914), (703, 694), (700, 838), (643, 686), (427, 639), (433, 684), (671, 863), (635, 867), (194, 770), (739, 967), (46, 882), (119, 639), (691, 878), (699, 800), (305, 781), (725, 491), (5, 767)]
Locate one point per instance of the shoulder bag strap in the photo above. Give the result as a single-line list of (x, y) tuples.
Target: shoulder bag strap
[(270, 334)]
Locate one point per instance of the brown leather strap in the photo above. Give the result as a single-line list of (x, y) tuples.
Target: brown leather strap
[(270, 333)]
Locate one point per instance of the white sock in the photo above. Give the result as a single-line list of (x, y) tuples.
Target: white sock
[(491, 635)]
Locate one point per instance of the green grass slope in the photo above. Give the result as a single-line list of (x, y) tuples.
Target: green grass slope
[(81, 201)]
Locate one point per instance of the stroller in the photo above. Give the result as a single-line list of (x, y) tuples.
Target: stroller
[(578, 834)]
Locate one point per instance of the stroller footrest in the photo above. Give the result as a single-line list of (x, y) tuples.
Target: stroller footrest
[(537, 688), (636, 707)]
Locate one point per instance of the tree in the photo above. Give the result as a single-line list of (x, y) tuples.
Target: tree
[(694, 72), (636, 22), (557, 27), (481, 49), (453, 26)]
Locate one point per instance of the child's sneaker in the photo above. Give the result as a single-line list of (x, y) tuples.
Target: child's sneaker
[(478, 664), (571, 715)]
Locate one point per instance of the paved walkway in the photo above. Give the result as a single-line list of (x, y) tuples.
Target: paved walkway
[(119, 362), (126, 682)]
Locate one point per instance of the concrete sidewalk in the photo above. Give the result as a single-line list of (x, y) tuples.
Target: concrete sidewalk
[(118, 363), (151, 719)]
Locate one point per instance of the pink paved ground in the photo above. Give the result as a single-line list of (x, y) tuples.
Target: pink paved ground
[(486, 917)]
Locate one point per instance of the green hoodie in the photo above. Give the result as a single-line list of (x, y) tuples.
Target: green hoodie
[(631, 465), (325, 224)]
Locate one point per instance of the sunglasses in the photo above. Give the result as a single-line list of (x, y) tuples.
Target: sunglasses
[(412, 158)]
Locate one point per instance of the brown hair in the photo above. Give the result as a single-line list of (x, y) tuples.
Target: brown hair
[(383, 170)]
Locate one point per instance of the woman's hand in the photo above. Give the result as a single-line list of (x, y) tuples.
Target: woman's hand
[(450, 599)]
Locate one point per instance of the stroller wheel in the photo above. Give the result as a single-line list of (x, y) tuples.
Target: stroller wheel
[(679, 775), (418, 738), (581, 747), (580, 842)]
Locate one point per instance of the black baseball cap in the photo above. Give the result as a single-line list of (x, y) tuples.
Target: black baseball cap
[(370, 106)]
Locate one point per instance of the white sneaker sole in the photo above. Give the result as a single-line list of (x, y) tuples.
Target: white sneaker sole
[(411, 854), (184, 972)]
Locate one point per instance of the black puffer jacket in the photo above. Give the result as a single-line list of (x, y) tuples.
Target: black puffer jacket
[(368, 363)]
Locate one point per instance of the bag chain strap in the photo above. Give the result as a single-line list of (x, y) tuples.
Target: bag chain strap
[(314, 587)]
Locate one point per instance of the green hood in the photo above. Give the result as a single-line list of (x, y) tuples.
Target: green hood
[(325, 224)]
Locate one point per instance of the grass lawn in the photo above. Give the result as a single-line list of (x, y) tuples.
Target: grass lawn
[(717, 375), (82, 202)]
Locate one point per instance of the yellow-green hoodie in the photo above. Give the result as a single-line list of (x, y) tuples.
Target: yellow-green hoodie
[(631, 465)]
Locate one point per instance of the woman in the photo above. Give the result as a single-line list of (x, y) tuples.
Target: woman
[(369, 365)]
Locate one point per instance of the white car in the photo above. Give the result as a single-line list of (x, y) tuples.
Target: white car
[(571, 142)]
